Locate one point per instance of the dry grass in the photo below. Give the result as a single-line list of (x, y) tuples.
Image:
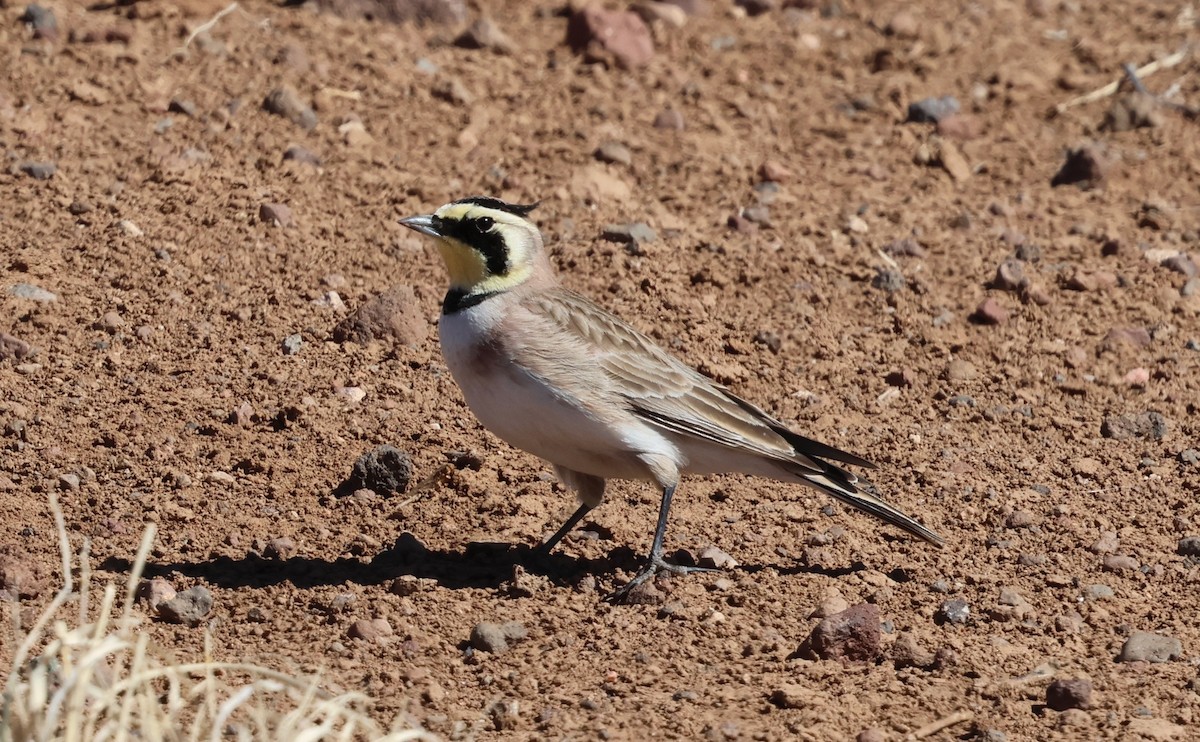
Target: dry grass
[(97, 678)]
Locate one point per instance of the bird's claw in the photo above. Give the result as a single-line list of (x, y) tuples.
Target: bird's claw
[(654, 564)]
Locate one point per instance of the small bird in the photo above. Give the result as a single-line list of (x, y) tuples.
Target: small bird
[(552, 373)]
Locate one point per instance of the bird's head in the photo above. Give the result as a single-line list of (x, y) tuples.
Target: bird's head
[(488, 245)]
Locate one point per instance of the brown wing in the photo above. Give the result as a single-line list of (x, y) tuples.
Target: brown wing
[(663, 390)]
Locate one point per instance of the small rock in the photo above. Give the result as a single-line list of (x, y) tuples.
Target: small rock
[(19, 578), (661, 12), (1063, 694), (1189, 546), (525, 584), (1085, 166), (186, 107), (453, 91), (610, 36), (1136, 337), (1107, 543), (39, 170), (757, 7), (1021, 519), (394, 315), (286, 102), (955, 611), (421, 12), (932, 110), (959, 370), (292, 344), (374, 630), (773, 171), (614, 152), (961, 126), (669, 119), (1143, 426), (1010, 276), (296, 153), (130, 228), (905, 248), (1120, 563), (32, 293), (13, 348), (1138, 377), (279, 548), (852, 635), (1098, 592), (485, 34), (69, 482), (189, 607), (386, 470), (1144, 646), (638, 232), (41, 21), (1181, 263), (792, 696), (278, 214), (496, 638), (889, 280), (154, 592), (1080, 280), (990, 312), (907, 652), (713, 557)]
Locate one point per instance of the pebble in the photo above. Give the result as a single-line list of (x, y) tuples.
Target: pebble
[(669, 119), (13, 348), (889, 280), (1137, 377), (1120, 563), (617, 37), (852, 635), (714, 557), (1098, 591), (385, 470), (69, 482), (907, 652), (39, 170), (297, 153), (614, 152), (1080, 280), (772, 171), (1145, 646), (292, 343), (496, 638), (484, 33), (1021, 519), (41, 21), (1085, 166), (189, 607), (453, 91), (667, 13), (279, 548), (635, 233), (1181, 263), (955, 611), (1010, 275), (1189, 546), (757, 7), (278, 214), (394, 315), (1142, 426), (286, 102), (186, 107), (932, 110), (1063, 694), (154, 592), (32, 293), (1137, 337), (1107, 543), (905, 248), (19, 578), (374, 630), (990, 312)]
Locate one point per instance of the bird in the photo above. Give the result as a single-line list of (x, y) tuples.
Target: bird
[(552, 373)]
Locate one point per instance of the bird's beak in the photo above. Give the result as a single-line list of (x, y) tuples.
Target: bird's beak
[(422, 224)]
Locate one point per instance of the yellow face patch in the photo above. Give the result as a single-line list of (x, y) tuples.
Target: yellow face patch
[(468, 266)]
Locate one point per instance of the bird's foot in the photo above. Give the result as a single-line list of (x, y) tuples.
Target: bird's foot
[(654, 564)]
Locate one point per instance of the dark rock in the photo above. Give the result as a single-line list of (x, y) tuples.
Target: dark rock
[(186, 107), (757, 7), (41, 21), (889, 280), (386, 471), (852, 635), (1189, 546), (292, 344), (1085, 166), (1142, 426), (1010, 276), (617, 37), (990, 312), (189, 607), (1065, 694), (629, 233), (394, 315), (297, 153), (39, 170), (932, 110), (955, 610)]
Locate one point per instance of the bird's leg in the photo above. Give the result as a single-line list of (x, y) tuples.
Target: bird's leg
[(655, 561), (560, 534)]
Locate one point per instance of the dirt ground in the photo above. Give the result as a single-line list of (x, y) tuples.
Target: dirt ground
[(184, 371)]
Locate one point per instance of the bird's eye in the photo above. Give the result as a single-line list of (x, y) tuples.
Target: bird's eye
[(484, 223)]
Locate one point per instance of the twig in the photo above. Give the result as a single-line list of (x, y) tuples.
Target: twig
[(1139, 86), (1111, 88), (933, 728), (208, 25)]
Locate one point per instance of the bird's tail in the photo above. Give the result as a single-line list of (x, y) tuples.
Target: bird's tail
[(845, 487)]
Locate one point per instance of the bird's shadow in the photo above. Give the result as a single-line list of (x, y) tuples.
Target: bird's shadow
[(479, 565)]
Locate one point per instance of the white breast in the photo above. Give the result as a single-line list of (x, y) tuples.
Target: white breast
[(521, 409)]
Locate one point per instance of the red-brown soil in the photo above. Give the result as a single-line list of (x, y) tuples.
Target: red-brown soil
[(174, 299)]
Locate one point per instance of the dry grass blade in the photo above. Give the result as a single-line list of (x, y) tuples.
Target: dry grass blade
[(100, 680)]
